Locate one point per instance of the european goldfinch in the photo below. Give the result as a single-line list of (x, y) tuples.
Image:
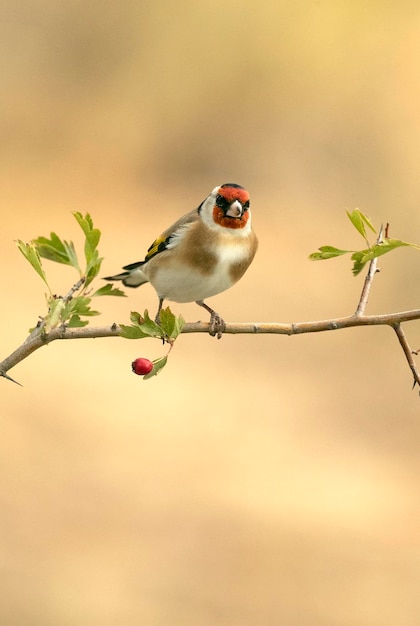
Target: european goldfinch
[(204, 253)]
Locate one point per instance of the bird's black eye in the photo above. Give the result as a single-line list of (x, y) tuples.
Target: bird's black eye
[(221, 201), (246, 205)]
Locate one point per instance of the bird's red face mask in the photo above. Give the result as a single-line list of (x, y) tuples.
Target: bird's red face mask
[(231, 208)]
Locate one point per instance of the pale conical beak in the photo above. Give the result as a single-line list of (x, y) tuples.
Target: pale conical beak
[(235, 209)]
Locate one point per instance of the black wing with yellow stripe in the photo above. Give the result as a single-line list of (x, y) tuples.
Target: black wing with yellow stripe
[(159, 245)]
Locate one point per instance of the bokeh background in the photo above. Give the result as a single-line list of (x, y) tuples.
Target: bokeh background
[(259, 479)]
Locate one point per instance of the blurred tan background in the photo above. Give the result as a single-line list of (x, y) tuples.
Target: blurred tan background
[(257, 480)]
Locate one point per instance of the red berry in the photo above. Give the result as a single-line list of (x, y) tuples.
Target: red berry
[(142, 366)]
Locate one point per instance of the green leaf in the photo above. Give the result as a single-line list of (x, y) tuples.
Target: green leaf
[(167, 321), (132, 332), (31, 254), (150, 327), (93, 268), (180, 323), (142, 326), (158, 365), (136, 318), (327, 252), (362, 257), (92, 234), (71, 254), (54, 249), (109, 290), (79, 305), (170, 323), (75, 308), (391, 244), (147, 325), (359, 263), (360, 221), (76, 322), (92, 237)]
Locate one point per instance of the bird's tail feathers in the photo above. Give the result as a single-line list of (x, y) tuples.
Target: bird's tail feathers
[(133, 278), (133, 266)]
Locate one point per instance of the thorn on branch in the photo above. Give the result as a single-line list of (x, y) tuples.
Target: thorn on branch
[(4, 375)]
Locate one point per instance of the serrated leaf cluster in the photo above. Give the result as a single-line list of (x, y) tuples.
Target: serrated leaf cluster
[(360, 257), (167, 330), (70, 309)]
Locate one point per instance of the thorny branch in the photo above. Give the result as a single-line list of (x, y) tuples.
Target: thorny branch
[(39, 337)]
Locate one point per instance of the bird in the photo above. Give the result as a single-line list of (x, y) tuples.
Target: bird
[(202, 254)]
